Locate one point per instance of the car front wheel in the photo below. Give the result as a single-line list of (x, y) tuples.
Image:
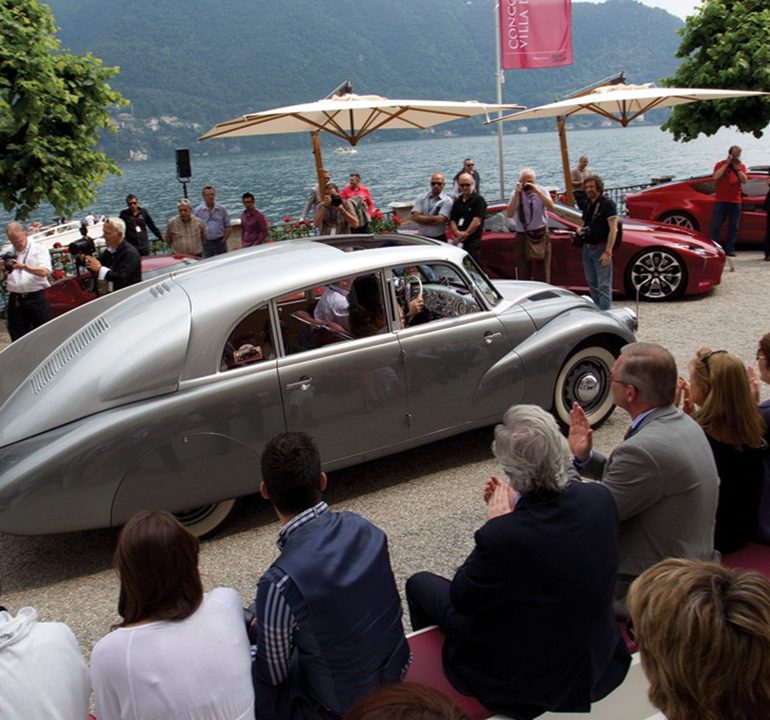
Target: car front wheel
[(656, 274), (585, 378), (681, 218), (206, 519)]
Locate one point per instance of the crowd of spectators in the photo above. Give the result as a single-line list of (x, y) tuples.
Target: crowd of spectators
[(531, 618)]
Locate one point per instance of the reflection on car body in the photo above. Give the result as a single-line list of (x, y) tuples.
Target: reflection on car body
[(164, 394)]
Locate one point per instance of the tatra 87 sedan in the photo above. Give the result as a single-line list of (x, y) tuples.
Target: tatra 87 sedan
[(164, 394)]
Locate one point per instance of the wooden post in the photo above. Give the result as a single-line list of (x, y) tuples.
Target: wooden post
[(318, 162), (565, 159)]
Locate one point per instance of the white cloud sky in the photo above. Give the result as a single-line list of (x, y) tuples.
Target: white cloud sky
[(680, 8)]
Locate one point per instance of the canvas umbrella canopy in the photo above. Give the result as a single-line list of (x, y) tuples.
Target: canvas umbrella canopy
[(351, 117), (620, 103)]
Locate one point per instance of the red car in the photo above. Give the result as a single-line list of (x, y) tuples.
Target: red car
[(690, 204), (655, 260), (73, 291)]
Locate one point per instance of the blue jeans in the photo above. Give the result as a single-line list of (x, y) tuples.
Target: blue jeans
[(599, 278), (733, 212), (214, 247)]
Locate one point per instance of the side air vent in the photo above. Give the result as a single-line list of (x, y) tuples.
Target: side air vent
[(67, 353), (545, 295), (160, 289)]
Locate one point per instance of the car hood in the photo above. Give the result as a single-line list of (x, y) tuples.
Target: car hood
[(665, 232), (118, 349)]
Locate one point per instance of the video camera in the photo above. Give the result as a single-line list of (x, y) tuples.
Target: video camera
[(84, 246)]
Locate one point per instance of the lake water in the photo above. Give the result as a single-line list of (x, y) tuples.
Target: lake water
[(397, 171)]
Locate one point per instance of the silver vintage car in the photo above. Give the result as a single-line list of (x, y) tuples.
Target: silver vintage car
[(163, 395)]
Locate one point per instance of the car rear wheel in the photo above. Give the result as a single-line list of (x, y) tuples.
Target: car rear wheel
[(206, 519), (585, 378), (656, 274), (681, 218)]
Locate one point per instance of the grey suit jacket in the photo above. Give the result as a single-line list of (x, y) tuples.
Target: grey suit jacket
[(665, 485)]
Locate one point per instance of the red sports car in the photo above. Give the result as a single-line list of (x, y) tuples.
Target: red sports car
[(656, 261), (75, 290), (690, 203)]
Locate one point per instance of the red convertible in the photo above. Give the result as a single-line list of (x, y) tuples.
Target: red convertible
[(657, 261), (690, 204)]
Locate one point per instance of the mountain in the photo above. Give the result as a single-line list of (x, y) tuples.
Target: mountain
[(187, 64)]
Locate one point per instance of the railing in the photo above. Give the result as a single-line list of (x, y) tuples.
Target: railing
[(618, 194)]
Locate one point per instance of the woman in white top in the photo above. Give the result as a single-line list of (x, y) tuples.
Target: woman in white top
[(178, 653)]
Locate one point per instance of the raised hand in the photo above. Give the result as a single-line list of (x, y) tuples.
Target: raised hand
[(579, 438)]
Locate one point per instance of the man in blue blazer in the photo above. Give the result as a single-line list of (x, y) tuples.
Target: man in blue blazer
[(662, 476), (528, 618)]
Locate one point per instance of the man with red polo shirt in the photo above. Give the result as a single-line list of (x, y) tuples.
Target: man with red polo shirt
[(729, 175)]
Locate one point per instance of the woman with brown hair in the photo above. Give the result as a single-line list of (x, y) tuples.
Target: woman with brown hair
[(703, 633), (178, 652), (406, 701), (719, 398)]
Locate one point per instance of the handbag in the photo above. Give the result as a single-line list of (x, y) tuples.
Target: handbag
[(534, 240)]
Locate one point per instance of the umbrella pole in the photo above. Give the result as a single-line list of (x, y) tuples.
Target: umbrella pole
[(319, 165), (565, 159)]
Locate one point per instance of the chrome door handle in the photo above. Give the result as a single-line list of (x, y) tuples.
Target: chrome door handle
[(304, 383), (490, 337)]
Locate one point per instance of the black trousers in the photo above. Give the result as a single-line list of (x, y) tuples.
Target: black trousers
[(25, 312)]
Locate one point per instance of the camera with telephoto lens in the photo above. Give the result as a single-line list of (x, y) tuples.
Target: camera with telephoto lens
[(84, 246), (336, 200), (527, 187), (8, 259)]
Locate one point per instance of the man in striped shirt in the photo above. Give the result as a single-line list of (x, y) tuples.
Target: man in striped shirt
[(328, 613)]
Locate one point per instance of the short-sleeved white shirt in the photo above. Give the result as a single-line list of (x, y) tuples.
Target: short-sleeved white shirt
[(21, 281)]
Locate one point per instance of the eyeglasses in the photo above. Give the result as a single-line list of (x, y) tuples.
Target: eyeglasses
[(433, 182), (133, 202), (469, 164), (618, 380), (465, 184), (760, 357)]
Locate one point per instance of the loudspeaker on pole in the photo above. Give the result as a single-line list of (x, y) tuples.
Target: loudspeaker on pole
[(183, 169)]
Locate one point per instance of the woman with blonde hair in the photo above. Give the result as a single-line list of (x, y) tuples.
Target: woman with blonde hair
[(703, 633), (179, 653), (719, 398)]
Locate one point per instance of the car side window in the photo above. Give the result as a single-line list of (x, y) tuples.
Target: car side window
[(755, 187), (431, 291), (250, 342), (343, 310)]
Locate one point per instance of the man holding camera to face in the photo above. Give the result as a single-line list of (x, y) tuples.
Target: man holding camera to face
[(120, 263), (27, 268), (529, 207), (729, 174), (335, 216)]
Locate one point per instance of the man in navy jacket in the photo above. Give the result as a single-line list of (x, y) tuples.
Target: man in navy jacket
[(528, 617), (328, 613)]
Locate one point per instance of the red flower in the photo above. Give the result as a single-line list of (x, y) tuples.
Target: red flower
[(298, 225), (377, 214), (287, 219), (396, 219), (58, 274), (308, 223), (56, 245)]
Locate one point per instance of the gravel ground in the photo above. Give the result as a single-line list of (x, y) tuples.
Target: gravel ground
[(427, 500)]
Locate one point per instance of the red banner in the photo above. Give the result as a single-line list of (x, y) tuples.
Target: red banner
[(535, 33)]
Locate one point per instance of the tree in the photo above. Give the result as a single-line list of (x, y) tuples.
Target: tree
[(725, 45), (52, 105)]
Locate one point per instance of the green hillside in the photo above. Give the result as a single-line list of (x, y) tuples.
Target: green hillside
[(192, 63)]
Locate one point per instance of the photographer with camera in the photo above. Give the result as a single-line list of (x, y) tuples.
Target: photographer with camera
[(529, 207), (120, 263), (729, 174), (597, 240), (26, 268), (335, 216)]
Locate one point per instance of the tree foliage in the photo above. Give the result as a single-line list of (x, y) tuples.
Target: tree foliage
[(725, 45), (52, 105)]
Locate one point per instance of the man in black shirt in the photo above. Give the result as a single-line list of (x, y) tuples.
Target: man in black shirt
[(467, 218), (137, 220), (120, 263), (600, 220)]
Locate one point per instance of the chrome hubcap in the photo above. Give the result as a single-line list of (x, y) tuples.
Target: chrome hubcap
[(587, 384)]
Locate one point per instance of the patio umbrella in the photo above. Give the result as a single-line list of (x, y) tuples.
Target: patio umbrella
[(351, 117), (621, 103)]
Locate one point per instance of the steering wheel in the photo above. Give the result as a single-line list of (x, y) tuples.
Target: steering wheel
[(409, 280)]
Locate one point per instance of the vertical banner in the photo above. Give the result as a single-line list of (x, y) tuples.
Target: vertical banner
[(535, 33)]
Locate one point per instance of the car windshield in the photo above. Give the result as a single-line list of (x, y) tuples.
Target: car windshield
[(481, 281)]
